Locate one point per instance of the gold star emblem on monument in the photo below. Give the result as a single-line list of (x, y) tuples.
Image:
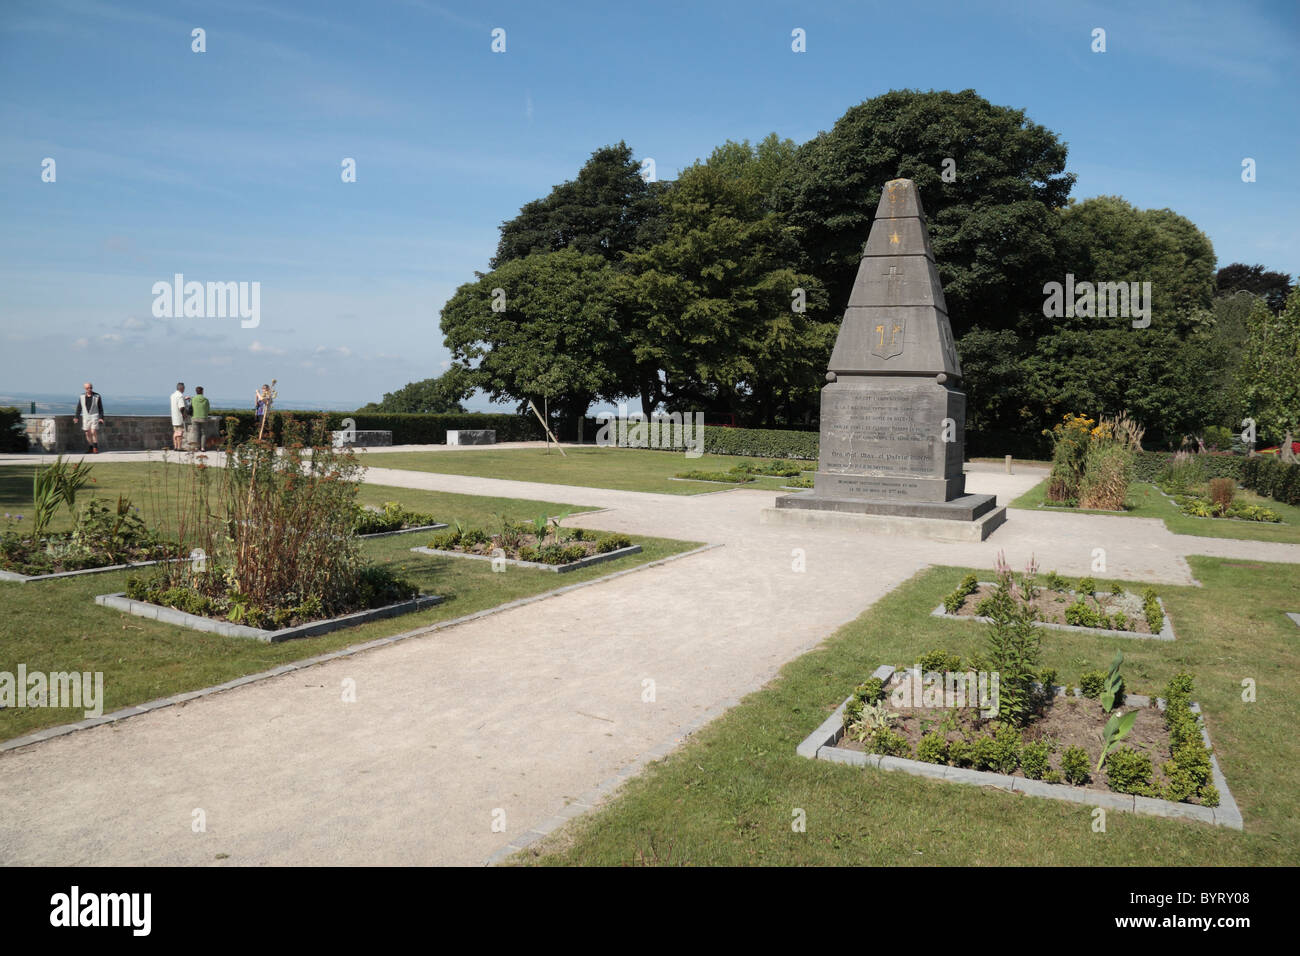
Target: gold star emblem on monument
[(894, 238)]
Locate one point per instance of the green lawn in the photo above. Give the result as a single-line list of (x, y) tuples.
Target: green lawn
[(56, 626), (1146, 501), (621, 469), (728, 795)]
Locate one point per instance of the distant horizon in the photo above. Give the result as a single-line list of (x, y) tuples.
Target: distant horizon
[(51, 403)]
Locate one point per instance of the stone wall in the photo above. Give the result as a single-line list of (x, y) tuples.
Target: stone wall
[(58, 433)]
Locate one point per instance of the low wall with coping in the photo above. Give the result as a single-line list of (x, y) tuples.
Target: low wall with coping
[(58, 433)]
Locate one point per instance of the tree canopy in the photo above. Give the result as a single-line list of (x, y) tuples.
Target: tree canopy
[(722, 290)]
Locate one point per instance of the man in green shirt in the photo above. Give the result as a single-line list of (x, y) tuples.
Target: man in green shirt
[(206, 429), (200, 404)]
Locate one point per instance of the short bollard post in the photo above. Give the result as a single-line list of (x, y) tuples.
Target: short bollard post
[(1008, 464)]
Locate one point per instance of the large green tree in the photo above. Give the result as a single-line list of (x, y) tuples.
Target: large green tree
[(1270, 369), (1273, 287), (992, 226), (440, 395), (541, 327), (608, 210), (720, 315)]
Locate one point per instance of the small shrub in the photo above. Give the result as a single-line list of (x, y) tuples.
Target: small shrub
[(933, 748), (1054, 582), (613, 542), (1210, 795), (888, 743), (983, 752), (938, 660), (445, 540), (870, 691), (852, 712), (1129, 771), (1222, 491), (985, 607), (1034, 758), (1074, 766), (1082, 614), (1005, 753), (1047, 677), (1052, 776), (961, 753), (1091, 684), (1152, 610)]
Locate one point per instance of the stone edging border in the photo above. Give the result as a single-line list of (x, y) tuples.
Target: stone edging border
[(821, 745), (25, 578), (436, 526), (1166, 629), (60, 730), (557, 568), (196, 622)]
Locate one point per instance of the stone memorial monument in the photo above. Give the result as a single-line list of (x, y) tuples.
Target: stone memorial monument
[(892, 419)]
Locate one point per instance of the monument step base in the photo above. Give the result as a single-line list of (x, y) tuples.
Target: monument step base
[(961, 508), (935, 529)]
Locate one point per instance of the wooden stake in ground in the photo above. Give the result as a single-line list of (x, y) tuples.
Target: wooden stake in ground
[(547, 429)]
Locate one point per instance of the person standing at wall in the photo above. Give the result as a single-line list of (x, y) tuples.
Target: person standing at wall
[(201, 408), (90, 411), (178, 415)]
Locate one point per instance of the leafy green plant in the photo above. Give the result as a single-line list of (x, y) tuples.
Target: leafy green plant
[(1188, 771), (1112, 688), (1129, 771), (961, 752), (870, 691), (932, 748), (1034, 757), (1052, 776), (613, 542), (874, 717), (1004, 755), (1091, 684), (969, 585), (1074, 766), (56, 485), (1152, 610), (1116, 729), (1014, 643), (1081, 614), (1054, 582), (889, 743), (938, 661), (1087, 586)]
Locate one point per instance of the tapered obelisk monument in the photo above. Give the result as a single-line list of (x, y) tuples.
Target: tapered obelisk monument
[(892, 419)]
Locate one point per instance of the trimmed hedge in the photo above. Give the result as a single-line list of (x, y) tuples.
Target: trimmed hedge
[(803, 445), (407, 429), (13, 437), (1266, 475), (719, 440), (1150, 464)]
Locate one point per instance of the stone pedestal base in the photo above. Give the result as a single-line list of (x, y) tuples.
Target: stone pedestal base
[(962, 508), (890, 521)]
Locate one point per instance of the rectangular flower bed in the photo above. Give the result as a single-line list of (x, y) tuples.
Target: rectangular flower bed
[(541, 544), (1134, 616), (197, 622), (829, 743), (595, 558), (24, 578)]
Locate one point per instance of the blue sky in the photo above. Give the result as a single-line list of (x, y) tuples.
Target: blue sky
[(225, 165)]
